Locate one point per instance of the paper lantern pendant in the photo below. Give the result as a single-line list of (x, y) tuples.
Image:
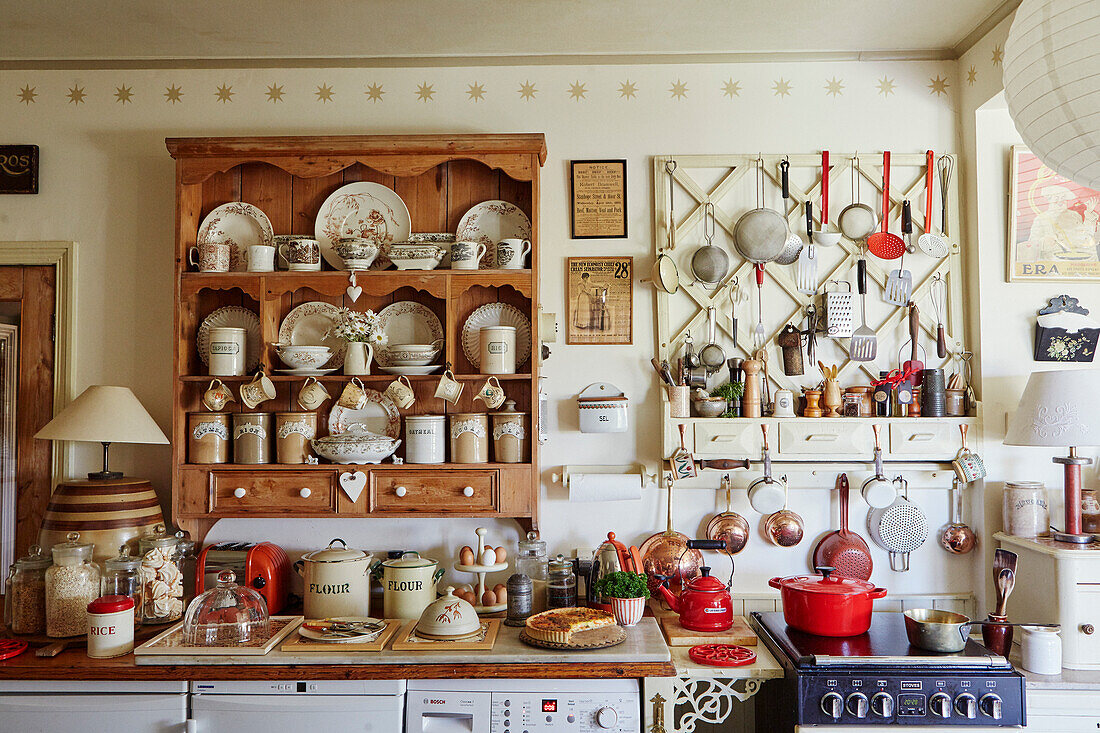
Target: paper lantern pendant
[(1052, 84)]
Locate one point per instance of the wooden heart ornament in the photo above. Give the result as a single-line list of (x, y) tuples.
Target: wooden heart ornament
[(354, 291), (353, 483)]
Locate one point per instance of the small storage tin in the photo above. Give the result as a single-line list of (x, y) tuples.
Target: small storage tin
[(110, 627), (252, 437), (603, 408), (425, 438)]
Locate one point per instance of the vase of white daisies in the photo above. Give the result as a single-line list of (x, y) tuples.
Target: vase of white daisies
[(363, 332)]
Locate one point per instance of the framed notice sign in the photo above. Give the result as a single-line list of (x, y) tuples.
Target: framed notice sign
[(18, 169), (598, 196), (600, 293)]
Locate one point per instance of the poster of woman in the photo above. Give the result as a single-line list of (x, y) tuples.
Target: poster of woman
[(1054, 224), (600, 300)]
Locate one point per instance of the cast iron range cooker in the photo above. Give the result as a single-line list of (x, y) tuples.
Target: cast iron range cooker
[(877, 678)]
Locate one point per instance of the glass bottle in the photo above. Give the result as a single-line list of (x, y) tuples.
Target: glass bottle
[(161, 578), (561, 584), (72, 582), (25, 593), (531, 561), (187, 563), (122, 577)]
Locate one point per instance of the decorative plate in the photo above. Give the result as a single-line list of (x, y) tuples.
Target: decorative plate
[(496, 314), (407, 322), (379, 415), (363, 209), (239, 225), (489, 222), (232, 316), (309, 325), (411, 371)]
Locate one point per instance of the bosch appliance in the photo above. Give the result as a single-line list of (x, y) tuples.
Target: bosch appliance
[(364, 706), (876, 680), (262, 566), (536, 706)]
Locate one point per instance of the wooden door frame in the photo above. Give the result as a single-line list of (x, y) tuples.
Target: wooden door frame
[(62, 256)]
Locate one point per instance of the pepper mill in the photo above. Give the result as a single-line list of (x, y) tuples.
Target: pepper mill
[(750, 401)]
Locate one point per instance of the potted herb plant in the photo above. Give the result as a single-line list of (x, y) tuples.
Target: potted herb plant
[(628, 593), (363, 332)]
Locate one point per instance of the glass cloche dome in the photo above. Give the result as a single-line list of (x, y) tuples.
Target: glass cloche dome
[(226, 615)]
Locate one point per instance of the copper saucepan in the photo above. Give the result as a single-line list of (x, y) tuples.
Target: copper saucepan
[(667, 554), (729, 526)]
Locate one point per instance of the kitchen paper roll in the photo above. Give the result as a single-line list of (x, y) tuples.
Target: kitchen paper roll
[(605, 487)]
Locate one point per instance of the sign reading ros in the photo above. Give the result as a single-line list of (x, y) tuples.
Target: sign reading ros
[(18, 169)]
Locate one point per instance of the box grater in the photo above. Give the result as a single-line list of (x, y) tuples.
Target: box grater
[(838, 309)]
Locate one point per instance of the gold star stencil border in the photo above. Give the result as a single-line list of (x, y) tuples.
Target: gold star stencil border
[(76, 94), (527, 91), (425, 92), (27, 94), (325, 93), (275, 93), (173, 94), (124, 95), (224, 93), (374, 92), (475, 91)]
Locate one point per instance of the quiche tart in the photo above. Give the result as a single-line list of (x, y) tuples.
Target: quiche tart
[(558, 625)]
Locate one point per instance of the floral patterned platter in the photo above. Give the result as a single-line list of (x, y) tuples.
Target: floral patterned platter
[(362, 209), (488, 223), (496, 314), (379, 415), (310, 324), (407, 322), (232, 316), (239, 225)]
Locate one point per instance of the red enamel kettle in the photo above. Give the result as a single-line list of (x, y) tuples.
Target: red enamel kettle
[(705, 603)]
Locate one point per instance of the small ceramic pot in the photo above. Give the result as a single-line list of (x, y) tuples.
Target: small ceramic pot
[(227, 352), (293, 433), (469, 437), (498, 350), (252, 437), (425, 438), (208, 437), (510, 441)]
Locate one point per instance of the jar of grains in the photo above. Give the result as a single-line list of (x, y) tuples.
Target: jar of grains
[(161, 577), (25, 593), (72, 582), (561, 585), (122, 577)]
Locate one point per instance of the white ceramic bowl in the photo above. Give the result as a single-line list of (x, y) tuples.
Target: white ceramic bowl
[(415, 256), (303, 357), (449, 615), (355, 445), (413, 354), (356, 252)]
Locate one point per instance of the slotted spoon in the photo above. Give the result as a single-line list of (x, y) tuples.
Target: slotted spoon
[(899, 284), (929, 242), (885, 244), (864, 343)]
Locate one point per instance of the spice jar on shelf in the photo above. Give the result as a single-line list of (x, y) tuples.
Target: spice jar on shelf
[(72, 582), (161, 578), (25, 593), (122, 577), (561, 584)]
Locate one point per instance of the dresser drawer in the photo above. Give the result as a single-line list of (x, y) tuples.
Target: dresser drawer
[(274, 493), (825, 437), (434, 491), (926, 438), (726, 439)]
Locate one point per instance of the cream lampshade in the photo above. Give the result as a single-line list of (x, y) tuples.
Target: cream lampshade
[(104, 414), (1061, 408)]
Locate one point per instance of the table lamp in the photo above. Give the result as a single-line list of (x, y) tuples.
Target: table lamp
[(106, 415), (1060, 409)]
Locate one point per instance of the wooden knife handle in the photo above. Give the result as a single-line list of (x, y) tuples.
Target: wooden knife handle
[(724, 464), (914, 327), (941, 342)]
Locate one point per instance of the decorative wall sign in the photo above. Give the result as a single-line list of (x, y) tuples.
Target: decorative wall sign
[(1053, 232), (1064, 331), (598, 196), (18, 169), (600, 300)]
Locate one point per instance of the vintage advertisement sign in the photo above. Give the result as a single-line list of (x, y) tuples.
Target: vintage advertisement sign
[(600, 292), (598, 198), (18, 169)]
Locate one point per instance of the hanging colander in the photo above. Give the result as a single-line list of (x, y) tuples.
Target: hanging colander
[(899, 528)]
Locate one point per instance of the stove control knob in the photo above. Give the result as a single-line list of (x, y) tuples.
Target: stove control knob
[(940, 703), (990, 705), (607, 717), (832, 705), (857, 704), (883, 705), (966, 705)]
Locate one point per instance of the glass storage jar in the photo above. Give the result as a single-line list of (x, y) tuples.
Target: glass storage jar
[(561, 584), (188, 564), (25, 593), (161, 578), (72, 582), (122, 577), (531, 561)]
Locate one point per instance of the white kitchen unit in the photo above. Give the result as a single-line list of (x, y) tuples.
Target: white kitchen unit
[(37, 706), (347, 706), (1062, 711)]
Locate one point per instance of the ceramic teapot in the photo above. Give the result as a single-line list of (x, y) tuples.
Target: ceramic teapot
[(704, 604)]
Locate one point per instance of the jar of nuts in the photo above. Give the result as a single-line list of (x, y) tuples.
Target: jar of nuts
[(161, 577), (25, 594), (72, 582)]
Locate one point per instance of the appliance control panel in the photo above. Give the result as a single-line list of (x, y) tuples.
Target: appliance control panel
[(528, 712), (946, 697)]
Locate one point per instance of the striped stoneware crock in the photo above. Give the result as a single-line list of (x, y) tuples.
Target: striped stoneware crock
[(106, 513)]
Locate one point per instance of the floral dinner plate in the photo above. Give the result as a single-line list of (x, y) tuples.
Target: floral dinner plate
[(239, 225)]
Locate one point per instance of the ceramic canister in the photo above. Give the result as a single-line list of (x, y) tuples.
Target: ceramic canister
[(408, 584), (510, 441), (208, 437), (227, 352), (252, 437), (110, 627), (469, 437), (498, 350), (425, 438), (293, 431), (336, 581)]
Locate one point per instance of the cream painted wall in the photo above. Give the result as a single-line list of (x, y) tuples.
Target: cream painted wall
[(107, 183)]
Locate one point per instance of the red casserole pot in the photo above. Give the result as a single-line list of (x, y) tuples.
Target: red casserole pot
[(827, 606)]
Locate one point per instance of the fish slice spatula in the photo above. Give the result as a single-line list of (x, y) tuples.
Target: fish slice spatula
[(806, 275), (899, 285), (864, 343)]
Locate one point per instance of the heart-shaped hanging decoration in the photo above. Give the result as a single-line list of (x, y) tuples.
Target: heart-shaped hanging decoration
[(354, 291), (353, 483)]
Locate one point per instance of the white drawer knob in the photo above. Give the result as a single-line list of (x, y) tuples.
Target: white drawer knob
[(400, 491), (239, 493), (304, 493), (468, 491)]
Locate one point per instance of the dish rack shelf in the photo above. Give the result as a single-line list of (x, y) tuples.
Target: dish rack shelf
[(439, 177)]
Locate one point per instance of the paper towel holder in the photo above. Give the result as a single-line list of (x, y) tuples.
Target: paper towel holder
[(648, 478)]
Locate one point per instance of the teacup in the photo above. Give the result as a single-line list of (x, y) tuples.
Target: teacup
[(261, 258), (511, 253), (210, 256), (217, 396), (312, 394), (259, 390), (491, 393), (449, 388), (467, 255), (300, 254), (401, 393), (354, 396)]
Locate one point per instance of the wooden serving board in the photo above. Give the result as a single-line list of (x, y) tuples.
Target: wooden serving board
[(170, 642), (297, 643), (403, 642), (677, 635)]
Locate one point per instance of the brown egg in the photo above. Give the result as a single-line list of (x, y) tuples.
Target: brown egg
[(502, 554), (489, 598), (499, 587), (502, 594), (466, 556), (468, 596)]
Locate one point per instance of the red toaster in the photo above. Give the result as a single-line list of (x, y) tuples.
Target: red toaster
[(262, 566)]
